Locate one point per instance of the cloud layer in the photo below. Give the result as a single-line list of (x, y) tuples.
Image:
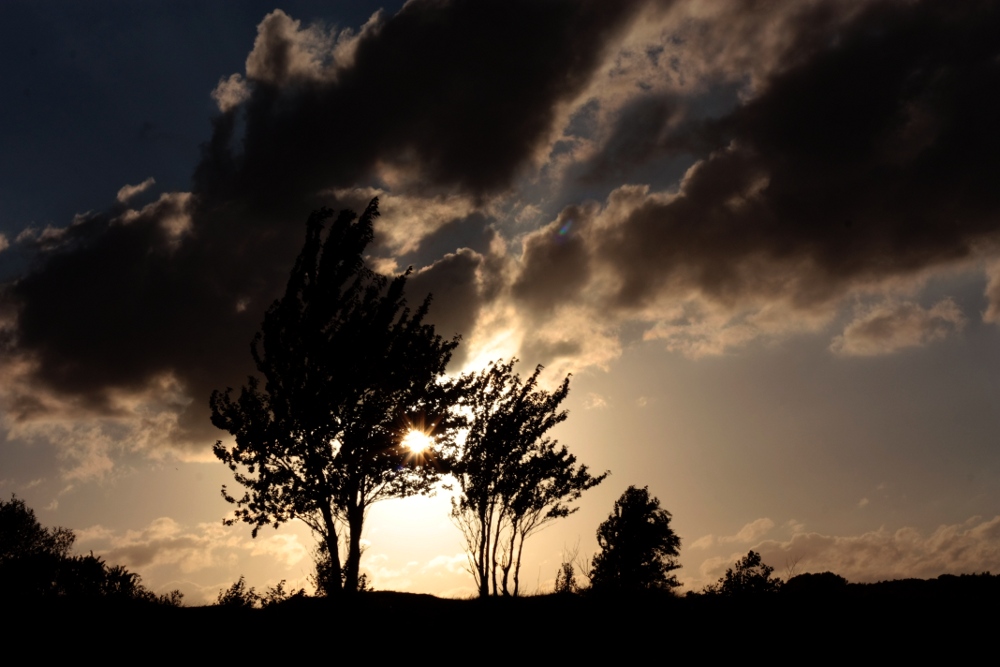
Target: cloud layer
[(423, 100), (558, 173), (964, 548), (889, 327)]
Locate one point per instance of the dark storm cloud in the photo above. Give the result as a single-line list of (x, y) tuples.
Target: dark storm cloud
[(871, 156), (462, 91), (556, 262), (456, 295), (459, 94)]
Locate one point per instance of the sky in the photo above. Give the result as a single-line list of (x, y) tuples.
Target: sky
[(764, 239)]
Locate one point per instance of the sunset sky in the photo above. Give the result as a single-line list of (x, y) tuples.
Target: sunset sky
[(764, 237)]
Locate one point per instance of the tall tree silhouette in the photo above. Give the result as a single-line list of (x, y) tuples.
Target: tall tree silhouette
[(513, 479), (638, 547), (349, 370)]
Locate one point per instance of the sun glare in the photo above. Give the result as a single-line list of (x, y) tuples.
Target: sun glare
[(417, 441)]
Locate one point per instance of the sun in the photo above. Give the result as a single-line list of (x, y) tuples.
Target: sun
[(417, 442)]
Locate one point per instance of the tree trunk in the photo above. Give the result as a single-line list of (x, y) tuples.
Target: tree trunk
[(333, 585), (508, 560), (517, 566), (493, 552), (355, 522), (482, 567)]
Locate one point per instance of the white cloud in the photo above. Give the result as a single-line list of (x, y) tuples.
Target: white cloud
[(892, 326), (457, 564), (406, 220), (162, 542), (992, 293), (386, 573), (285, 549), (594, 402), (703, 542), (140, 420), (129, 191), (231, 92), (963, 548), (752, 531), (165, 542), (170, 211), (748, 533), (284, 52), (46, 239)]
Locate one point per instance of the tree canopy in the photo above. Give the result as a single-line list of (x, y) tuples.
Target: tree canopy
[(22, 536), (513, 480), (638, 547), (348, 370)]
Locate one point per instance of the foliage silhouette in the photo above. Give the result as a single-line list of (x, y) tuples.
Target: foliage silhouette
[(513, 480), (638, 547), (22, 536), (348, 371), (35, 562), (274, 595), (321, 577), (238, 596), (750, 576)]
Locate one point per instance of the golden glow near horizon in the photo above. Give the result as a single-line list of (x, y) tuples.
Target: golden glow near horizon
[(417, 441)]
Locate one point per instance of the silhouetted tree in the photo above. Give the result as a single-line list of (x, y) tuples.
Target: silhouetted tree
[(566, 579), (22, 536), (33, 559), (513, 480), (750, 576), (638, 547), (348, 371)]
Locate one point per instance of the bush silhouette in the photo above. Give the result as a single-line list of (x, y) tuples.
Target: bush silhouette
[(750, 576)]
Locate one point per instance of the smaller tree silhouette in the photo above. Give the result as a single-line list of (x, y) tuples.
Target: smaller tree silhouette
[(638, 548), (566, 579), (750, 576), (513, 479)]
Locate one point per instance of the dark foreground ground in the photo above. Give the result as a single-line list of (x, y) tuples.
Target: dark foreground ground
[(949, 618)]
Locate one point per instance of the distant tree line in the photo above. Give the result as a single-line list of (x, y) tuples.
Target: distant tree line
[(36, 564)]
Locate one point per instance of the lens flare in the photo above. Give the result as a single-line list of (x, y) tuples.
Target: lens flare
[(417, 442)]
